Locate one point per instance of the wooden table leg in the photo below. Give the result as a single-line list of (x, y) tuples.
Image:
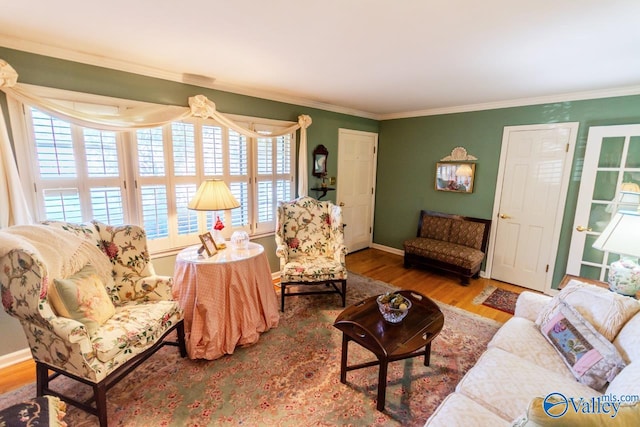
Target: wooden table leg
[(382, 384), (427, 354), (343, 362)]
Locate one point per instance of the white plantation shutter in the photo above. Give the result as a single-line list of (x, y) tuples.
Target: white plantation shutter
[(78, 176), (152, 181), (184, 149), (274, 180), (238, 181), (187, 218), (212, 151), (82, 174)]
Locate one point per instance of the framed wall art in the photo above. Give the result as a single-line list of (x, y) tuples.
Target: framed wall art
[(455, 176)]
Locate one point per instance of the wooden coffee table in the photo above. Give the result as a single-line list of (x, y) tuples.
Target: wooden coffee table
[(363, 323)]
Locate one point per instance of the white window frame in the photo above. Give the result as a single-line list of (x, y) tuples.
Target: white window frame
[(130, 179)]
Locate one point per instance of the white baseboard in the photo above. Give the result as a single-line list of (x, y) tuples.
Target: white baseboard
[(16, 357), (387, 249)]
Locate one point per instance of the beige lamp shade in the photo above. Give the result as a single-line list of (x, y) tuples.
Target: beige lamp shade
[(622, 235), (213, 195)]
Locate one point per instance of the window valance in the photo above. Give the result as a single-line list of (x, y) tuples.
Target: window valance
[(138, 117)]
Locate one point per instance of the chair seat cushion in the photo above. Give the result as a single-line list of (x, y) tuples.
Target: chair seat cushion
[(134, 327), (450, 253), (313, 269)]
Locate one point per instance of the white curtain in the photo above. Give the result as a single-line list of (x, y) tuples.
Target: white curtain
[(13, 205), (133, 118)]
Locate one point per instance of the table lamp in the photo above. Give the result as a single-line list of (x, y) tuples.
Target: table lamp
[(214, 195), (622, 236)]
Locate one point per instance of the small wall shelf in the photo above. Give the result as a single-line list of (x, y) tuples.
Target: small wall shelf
[(323, 190)]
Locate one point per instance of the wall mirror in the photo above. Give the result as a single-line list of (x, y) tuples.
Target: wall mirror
[(320, 154), (455, 176)]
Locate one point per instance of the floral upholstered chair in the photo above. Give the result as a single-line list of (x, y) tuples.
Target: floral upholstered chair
[(89, 302), (310, 245)]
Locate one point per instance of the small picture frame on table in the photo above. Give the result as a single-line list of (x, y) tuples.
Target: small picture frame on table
[(208, 244)]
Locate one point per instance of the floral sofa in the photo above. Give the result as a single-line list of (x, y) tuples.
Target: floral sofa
[(448, 242), (89, 301), (310, 245), (567, 360)]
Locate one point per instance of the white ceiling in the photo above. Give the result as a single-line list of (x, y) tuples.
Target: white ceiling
[(379, 58)]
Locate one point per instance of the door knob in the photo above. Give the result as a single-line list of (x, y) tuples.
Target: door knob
[(341, 203), (581, 228), (504, 216)]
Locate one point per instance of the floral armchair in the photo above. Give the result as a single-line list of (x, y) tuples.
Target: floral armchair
[(310, 245), (89, 301)]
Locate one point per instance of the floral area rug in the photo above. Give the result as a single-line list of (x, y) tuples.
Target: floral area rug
[(291, 377), (500, 299)]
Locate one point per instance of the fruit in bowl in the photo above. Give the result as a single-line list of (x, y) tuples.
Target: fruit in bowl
[(393, 306)]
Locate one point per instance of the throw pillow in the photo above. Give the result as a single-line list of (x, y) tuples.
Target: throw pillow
[(536, 416), (593, 360), (607, 311), (82, 297)]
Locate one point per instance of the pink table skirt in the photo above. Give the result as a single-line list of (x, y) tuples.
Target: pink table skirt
[(225, 304)]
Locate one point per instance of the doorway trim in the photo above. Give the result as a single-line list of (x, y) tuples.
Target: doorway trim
[(564, 188), (342, 133)]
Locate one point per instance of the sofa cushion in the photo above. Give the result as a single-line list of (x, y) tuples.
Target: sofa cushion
[(450, 253), (82, 297), (606, 311), (505, 383), (134, 324), (466, 233), (627, 382), (435, 227), (313, 269), (522, 338), (626, 415), (593, 360), (628, 340), (458, 410)]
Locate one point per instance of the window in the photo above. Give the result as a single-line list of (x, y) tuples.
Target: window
[(148, 176)]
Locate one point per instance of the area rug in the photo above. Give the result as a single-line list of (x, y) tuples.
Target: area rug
[(500, 299), (291, 377)]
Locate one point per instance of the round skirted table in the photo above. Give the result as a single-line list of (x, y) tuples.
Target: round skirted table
[(228, 299)]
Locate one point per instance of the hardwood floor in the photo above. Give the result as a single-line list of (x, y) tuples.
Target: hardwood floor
[(373, 263), (389, 268)]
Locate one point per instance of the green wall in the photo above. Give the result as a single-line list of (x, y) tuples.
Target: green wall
[(50, 72), (409, 149)]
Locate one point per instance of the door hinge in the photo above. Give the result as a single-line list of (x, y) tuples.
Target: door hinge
[(547, 269), (371, 190), (135, 183), (566, 150), (35, 188), (370, 230), (374, 149), (125, 184)]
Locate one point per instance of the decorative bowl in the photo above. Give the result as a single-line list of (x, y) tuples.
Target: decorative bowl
[(393, 307)]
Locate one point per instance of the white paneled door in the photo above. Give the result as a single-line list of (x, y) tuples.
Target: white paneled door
[(611, 164), (356, 185), (530, 197)]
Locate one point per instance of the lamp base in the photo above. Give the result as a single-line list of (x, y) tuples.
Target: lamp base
[(624, 277)]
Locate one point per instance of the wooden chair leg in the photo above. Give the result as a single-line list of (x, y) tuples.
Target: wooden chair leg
[(100, 394), (42, 379)]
